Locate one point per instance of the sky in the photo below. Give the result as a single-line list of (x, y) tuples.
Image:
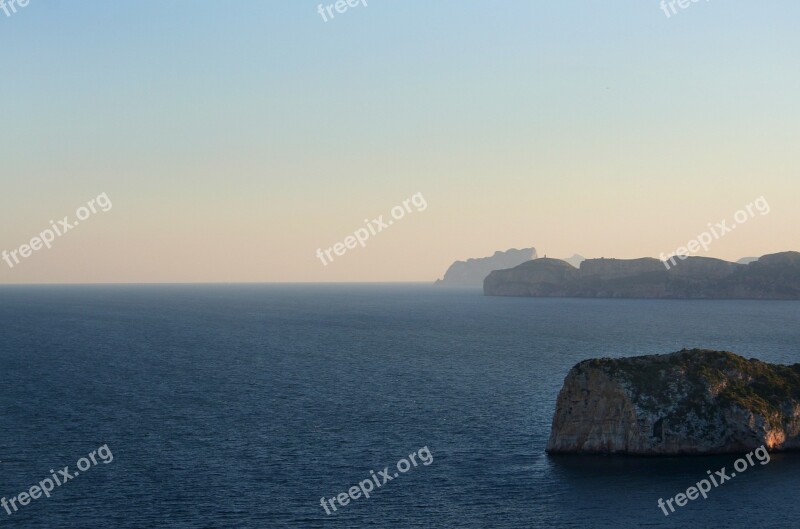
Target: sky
[(235, 139)]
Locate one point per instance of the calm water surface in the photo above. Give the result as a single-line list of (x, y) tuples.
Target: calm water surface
[(241, 406)]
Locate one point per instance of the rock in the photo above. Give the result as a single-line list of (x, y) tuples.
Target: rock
[(472, 272), (775, 276), (689, 402)]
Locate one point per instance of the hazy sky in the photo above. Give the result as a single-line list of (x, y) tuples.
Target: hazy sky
[(235, 138)]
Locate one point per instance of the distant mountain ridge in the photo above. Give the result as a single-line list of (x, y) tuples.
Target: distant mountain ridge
[(472, 272), (575, 260), (775, 276)]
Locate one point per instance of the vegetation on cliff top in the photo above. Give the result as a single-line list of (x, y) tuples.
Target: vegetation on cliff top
[(710, 380)]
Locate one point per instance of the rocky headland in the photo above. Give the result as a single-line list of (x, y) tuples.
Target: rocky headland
[(689, 402), (472, 272), (775, 276)]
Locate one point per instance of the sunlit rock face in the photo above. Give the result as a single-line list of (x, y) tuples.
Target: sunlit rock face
[(689, 402)]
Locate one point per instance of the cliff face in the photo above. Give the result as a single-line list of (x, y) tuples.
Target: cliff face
[(472, 272), (775, 276), (689, 402)]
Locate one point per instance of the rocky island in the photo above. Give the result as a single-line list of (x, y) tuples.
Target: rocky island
[(472, 272), (689, 402), (775, 276)]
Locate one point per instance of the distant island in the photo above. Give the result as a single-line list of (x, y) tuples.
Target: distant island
[(575, 260), (775, 276), (689, 402), (472, 272)]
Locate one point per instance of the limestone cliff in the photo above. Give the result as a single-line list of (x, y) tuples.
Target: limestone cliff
[(689, 402)]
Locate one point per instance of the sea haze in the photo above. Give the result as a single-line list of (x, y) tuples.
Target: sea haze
[(243, 405)]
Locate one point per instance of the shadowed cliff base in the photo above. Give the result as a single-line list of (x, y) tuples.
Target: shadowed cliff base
[(775, 276), (693, 402)]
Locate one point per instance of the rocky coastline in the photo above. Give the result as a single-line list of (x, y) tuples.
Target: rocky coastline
[(775, 276)]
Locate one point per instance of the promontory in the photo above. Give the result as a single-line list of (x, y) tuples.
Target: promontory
[(472, 272)]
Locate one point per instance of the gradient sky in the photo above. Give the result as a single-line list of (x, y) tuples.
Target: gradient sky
[(235, 138)]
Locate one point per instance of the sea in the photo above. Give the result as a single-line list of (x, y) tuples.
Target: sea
[(253, 405)]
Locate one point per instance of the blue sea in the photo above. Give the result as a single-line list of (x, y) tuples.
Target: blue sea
[(229, 406)]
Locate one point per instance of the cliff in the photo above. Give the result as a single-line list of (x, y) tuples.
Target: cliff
[(689, 402), (775, 276), (472, 272)]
